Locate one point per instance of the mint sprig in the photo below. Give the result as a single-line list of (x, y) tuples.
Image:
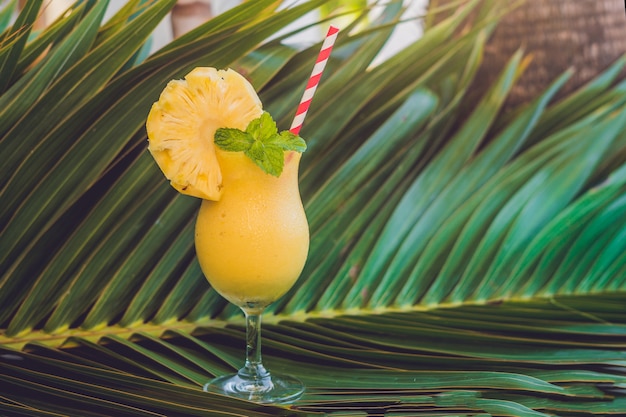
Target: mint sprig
[(261, 142)]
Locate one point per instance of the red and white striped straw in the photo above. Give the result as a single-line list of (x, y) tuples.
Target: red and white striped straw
[(314, 80)]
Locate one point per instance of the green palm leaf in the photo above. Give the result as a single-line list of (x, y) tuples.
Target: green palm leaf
[(464, 260)]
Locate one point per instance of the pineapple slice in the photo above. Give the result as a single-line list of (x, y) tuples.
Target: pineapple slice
[(181, 126)]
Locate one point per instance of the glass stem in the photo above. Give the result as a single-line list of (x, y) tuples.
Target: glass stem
[(253, 369)]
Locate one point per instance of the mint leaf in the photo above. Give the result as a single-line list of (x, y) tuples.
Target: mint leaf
[(261, 142), (262, 128), (291, 142), (233, 140), (270, 158)]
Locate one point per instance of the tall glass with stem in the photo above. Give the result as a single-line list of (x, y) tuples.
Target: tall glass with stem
[(252, 245)]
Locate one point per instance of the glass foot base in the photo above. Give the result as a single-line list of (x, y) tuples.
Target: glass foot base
[(272, 389)]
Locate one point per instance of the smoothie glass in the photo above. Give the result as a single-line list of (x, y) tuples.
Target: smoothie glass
[(252, 245)]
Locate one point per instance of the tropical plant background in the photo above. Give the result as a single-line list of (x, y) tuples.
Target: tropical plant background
[(465, 260)]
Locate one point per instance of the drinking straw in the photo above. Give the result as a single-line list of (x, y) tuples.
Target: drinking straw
[(314, 79)]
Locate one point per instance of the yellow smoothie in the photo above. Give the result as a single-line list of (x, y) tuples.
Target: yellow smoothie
[(253, 242)]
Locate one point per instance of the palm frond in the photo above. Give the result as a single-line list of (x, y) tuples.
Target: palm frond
[(530, 358), (464, 260)]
